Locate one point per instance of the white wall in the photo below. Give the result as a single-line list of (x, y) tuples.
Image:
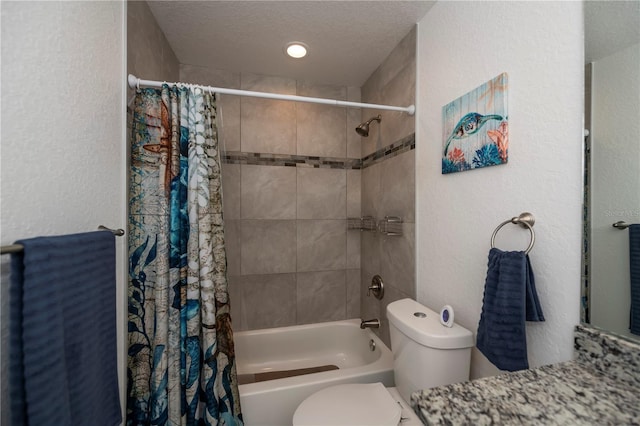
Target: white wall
[(63, 156), (540, 45), (615, 179)]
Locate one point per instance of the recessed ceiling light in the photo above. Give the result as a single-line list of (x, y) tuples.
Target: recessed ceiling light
[(295, 49)]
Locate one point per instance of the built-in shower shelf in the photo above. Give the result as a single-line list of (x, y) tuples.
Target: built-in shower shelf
[(390, 225)]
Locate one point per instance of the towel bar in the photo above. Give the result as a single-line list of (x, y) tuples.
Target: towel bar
[(621, 224), (17, 248), (526, 220)]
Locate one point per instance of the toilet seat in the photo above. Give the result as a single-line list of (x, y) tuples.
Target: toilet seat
[(349, 404)]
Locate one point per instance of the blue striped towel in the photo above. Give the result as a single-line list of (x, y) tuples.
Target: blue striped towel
[(510, 298), (63, 366), (634, 261)]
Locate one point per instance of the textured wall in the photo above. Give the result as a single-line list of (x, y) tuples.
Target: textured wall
[(540, 45), (615, 179), (388, 186), (290, 257), (62, 115)]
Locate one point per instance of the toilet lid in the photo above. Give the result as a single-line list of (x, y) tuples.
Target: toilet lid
[(351, 404)]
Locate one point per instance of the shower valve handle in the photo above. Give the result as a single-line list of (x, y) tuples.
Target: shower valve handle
[(376, 287)]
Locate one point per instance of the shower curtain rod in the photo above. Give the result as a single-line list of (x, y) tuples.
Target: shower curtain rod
[(136, 83)]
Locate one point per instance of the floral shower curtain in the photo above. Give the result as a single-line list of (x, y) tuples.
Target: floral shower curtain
[(181, 363)]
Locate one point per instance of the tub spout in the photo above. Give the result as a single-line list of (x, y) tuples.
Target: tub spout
[(372, 323)]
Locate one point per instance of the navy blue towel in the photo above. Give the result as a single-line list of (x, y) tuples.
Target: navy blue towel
[(510, 298), (63, 359), (634, 261)]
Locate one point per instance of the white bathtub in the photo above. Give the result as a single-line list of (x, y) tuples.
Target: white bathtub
[(340, 343)]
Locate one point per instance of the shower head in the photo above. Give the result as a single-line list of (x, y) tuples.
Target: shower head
[(363, 128)]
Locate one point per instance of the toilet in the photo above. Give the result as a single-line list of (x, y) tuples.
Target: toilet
[(426, 354)]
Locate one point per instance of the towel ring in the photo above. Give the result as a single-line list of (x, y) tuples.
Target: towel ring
[(526, 220)]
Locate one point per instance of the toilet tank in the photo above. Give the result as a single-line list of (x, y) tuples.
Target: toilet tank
[(425, 352)]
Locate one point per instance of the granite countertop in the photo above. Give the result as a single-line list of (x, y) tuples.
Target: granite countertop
[(602, 386)]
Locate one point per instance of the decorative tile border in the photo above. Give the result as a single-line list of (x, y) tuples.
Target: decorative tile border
[(401, 146), (255, 158)]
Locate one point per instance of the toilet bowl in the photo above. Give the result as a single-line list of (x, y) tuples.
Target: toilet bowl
[(425, 354)]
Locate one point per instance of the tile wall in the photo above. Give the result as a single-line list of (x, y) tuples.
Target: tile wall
[(388, 186), (149, 55), (291, 177)]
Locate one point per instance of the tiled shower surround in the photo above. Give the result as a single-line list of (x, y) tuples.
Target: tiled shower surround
[(292, 175), (388, 187)]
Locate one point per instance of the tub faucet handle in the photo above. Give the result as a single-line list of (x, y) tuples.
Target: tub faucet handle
[(372, 323), (376, 287)]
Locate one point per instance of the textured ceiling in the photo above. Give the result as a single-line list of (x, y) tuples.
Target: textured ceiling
[(347, 39), (610, 26)]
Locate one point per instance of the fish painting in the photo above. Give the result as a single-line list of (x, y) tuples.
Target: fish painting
[(469, 125)]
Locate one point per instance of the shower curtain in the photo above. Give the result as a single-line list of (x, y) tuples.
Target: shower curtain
[(181, 363)]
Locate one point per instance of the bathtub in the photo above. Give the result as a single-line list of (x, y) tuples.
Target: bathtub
[(340, 346)]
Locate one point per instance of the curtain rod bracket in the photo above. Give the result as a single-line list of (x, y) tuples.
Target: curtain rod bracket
[(134, 82)]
